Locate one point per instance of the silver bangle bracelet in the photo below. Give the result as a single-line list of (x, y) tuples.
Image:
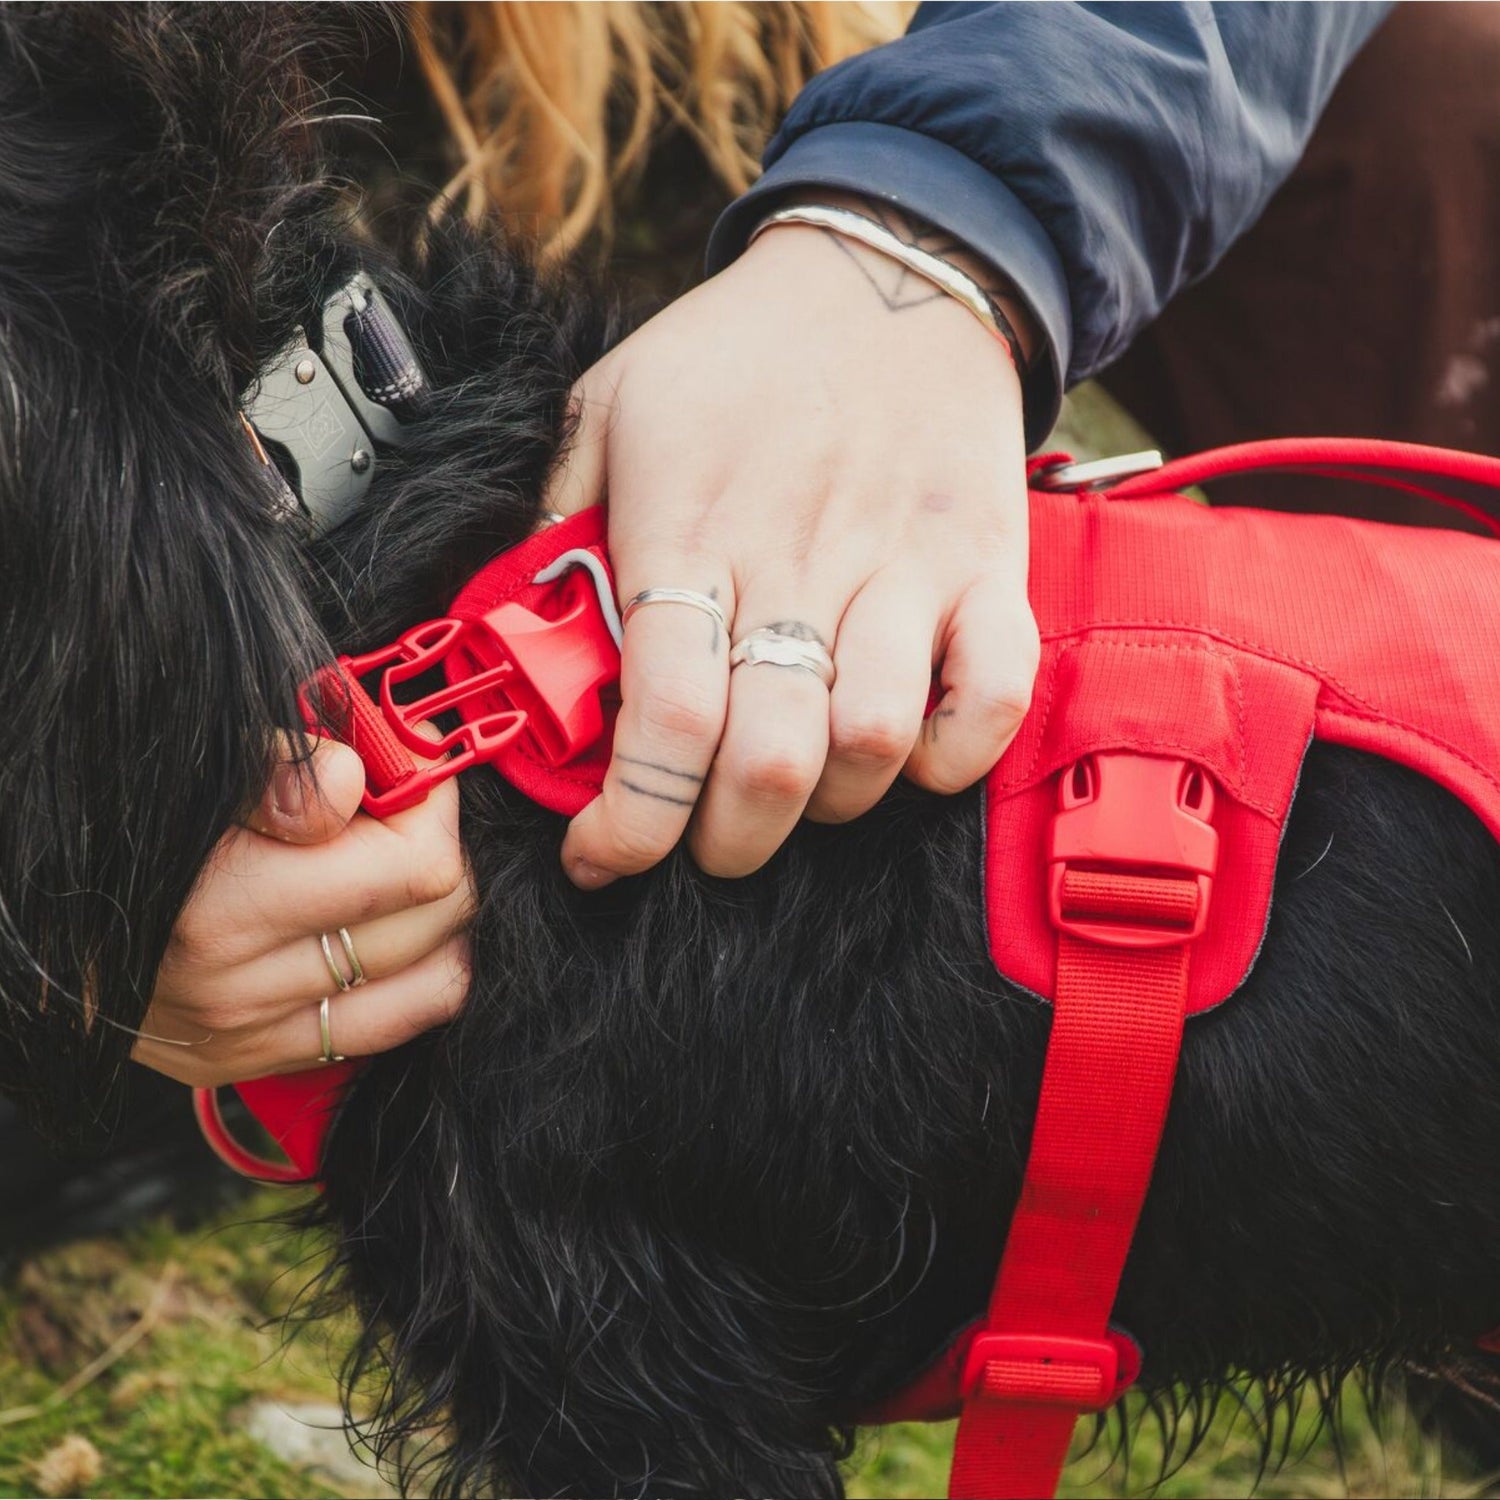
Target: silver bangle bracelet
[(948, 278)]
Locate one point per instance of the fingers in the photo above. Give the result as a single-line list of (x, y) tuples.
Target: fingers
[(310, 800), (884, 661), (989, 665), (382, 947), (674, 673), (389, 1012), (361, 1022), (774, 746), (260, 894), (578, 481)]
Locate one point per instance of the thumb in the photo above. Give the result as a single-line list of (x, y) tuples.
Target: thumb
[(581, 477), (310, 799)]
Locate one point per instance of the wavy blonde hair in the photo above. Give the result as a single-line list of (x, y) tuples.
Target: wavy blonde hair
[(553, 108)]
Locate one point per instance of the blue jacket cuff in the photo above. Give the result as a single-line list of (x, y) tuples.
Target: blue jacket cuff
[(935, 182)]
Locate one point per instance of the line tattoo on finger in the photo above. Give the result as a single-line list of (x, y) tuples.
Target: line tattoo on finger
[(646, 791), (930, 729), (656, 765)]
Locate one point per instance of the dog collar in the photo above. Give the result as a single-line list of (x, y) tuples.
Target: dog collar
[(331, 409)]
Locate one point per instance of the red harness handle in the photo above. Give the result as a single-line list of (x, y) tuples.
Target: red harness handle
[(1442, 475)]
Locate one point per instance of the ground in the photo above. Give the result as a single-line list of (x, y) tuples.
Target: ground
[(154, 1365)]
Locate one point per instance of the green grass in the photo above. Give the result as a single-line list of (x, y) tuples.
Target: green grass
[(163, 1416)]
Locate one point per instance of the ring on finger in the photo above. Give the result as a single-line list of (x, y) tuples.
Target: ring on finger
[(771, 647), (356, 974), (690, 597), (328, 1054)]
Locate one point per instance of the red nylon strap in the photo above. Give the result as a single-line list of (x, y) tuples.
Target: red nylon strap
[(1464, 482), (1047, 1352), (356, 719)]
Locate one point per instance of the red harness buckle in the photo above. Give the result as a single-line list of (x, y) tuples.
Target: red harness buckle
[(1128, 828), (1050, 1370), (512, 671)]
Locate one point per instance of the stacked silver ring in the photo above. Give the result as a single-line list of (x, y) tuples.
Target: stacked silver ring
[(775, 648), (356, 974), (691, 598), (328, 1054), (354, 978)]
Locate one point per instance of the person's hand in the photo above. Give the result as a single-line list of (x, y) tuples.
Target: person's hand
[(819, 441), (238, 991)]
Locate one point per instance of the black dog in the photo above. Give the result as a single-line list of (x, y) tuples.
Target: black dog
[(704, 1168)]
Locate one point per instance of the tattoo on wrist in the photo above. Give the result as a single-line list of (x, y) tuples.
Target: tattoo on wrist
[(900, 287)]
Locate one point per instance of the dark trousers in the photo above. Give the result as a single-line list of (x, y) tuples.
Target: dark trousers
[(1366, 300)]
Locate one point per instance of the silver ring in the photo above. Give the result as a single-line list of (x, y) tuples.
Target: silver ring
[(771, 647), (356, 969), (343, 981), (676, 596), (329, 1055)]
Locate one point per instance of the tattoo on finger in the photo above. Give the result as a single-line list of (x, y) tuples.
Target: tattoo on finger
[(656, 765), (656, 796), (930, 725)]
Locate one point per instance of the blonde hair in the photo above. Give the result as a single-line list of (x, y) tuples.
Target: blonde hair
[(552, 108)]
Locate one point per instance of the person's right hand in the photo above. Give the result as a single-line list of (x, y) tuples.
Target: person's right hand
[(238, 991)]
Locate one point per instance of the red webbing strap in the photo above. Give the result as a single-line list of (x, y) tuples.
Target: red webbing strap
[(1466, 482), (1046, 1353), (357, 720)]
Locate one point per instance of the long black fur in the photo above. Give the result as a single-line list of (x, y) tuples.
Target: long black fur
[(703, 1167)]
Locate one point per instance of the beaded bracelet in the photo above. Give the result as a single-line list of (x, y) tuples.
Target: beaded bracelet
[(948, 278)]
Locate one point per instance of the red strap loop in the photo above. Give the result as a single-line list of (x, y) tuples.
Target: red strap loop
[(1465, 482)]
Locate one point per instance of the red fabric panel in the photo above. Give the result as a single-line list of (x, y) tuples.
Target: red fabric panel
[(1245, 719)]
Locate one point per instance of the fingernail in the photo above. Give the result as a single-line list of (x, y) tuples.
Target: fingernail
[(589, 877), (288, 791)]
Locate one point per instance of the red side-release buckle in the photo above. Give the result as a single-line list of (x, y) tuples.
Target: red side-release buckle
[(1046, 1370), (1129, 827), (515, 670)]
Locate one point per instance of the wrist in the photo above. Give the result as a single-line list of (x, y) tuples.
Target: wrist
[(884, 235)]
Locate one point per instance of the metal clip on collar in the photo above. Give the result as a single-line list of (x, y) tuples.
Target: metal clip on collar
[(330, 411), (1096, 474)]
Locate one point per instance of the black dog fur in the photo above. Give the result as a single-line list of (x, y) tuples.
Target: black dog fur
[(703, 1167)]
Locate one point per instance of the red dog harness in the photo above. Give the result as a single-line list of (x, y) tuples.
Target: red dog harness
[(1188, 657)]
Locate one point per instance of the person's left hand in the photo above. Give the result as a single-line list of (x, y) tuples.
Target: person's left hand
[(822, 443)]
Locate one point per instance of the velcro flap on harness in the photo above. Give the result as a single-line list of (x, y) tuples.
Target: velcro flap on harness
[(1244, 719)]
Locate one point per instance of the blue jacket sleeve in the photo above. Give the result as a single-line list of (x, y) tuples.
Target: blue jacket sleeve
[(1102, 155)]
